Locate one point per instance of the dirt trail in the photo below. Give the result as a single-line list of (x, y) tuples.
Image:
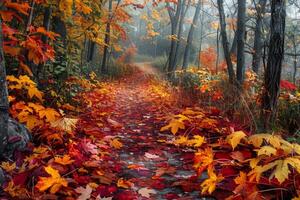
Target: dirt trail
[(146, 162)]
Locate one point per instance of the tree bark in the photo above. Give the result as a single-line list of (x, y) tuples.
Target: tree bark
[(257, 49), (107, 39), (46, 25), (225, 43), (240, 34), (181, 20), (91, 50), (190, 37), (174, 18), (274, 65), (4, 105)]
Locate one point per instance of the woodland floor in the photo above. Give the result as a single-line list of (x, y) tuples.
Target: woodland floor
[(164, 169)]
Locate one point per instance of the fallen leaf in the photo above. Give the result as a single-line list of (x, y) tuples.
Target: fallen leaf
[(124, 184), (85, 193), (54, 182), (234, 138), (151, 156), (146, 192)]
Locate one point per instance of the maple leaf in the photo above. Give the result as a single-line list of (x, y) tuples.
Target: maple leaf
[(181, 140), (54, 182), (266, 150), (49, 114), (197, 141), (204, 158), (85, 193), (116, 143), (33, 91), (88, 147), (234, 138), (209, 185), (151, 156), (174, 125), (124, 184), (241, 181), (65, 160), (257, 140), (146, 192), (65, 123), (16, 190), (8, 167)]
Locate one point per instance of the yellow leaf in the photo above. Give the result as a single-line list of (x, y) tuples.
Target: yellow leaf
[(33, 91), (182, 140), (281, 171), (66, 124), (175, 124), (124, 184), (54, 182), (257, 171), (266, 150), (49, 114), (234, 138), (65, 160), (197, 141), (204, 158), (294, 162), (116, 143), (209, 185), (8, 167)]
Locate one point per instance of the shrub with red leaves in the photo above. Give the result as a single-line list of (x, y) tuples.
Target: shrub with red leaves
[(284, 84)]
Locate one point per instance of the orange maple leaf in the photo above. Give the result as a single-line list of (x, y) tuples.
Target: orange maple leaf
[(54, 182)]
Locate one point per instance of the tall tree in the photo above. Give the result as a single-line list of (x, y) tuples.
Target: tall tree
[(240, 34), (107, 39), (183, 12), (188, 46), (274, 65), (225, 42), (4, 105), (174, 15), (258, 43)]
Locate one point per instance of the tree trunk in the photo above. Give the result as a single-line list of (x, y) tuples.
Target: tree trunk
[(180, 26), (225, 43), (190, 37), (257, 49), (107, 40), (240, 34), (4, 105), (274, 65), (174, 18), (91, 50), (46, 25)]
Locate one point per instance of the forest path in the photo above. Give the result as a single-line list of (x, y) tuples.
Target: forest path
[(150, 165)]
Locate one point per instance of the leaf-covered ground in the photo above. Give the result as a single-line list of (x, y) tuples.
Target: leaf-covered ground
[(131, 140)]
